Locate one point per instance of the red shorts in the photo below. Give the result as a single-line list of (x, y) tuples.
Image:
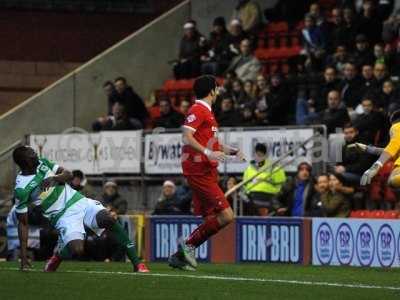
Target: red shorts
[(208, 198)]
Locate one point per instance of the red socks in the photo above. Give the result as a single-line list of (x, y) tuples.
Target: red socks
[(203, 232)]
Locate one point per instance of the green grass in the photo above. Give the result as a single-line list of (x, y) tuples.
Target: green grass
[(79, 281)]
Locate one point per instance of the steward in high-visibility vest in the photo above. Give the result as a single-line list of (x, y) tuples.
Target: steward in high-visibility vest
[(265, 186)]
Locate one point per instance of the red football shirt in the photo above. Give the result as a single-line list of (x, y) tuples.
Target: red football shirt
[(201, 120)]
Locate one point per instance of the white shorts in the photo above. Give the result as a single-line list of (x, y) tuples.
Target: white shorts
[(71, 225)]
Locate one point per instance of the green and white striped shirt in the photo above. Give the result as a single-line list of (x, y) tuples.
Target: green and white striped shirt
[(54, 201)]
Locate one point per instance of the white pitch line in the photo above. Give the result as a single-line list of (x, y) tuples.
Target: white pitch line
[(228, 278)]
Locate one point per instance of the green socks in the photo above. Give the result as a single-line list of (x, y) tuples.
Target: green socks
[(65, 253), (124, 240)]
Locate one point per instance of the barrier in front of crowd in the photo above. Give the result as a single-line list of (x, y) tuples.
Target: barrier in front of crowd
[(317, 241), (252, 239), (123, 151), (356, 242)]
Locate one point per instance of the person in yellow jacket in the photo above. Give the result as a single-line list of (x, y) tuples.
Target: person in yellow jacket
[(390, 152), (264, 187)]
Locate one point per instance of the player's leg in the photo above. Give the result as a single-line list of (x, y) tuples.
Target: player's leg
[(71, 236), (394, 178), (215, 209), (97, 218)]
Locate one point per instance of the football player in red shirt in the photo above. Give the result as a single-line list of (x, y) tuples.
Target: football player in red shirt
[(200, 156)]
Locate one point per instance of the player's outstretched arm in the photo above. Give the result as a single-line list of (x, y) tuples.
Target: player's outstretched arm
[(23, 239), (229, 150), (367, 148)]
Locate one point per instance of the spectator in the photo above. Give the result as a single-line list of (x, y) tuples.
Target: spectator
[(333, 30), (335, 116), (218, 56), (246, 65), (296, 194), (315, 12), (230, 183), (321, 188), (370, 122), (388, 97), (349, 27), (369, 23), (112, 199), (119, 120), (380, 75), (339, 58), (319, 94), (248, 95), (134, 105), (237, 35), (380, 55), (190, 49), (228, 116), (261, 88), (249, 14), (363, 54), (351, 86), (169, 118), (247, 118), (367, 78), (111, 93), (184, 107), (237, 94), (79, 183), (262, 189), (312, 36), (353, 163), (279, 102), (168, 203), (335, 202)]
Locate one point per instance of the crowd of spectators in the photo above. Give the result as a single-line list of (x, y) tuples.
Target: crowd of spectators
[(345, 76)]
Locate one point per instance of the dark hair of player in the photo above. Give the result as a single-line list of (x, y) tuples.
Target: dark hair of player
[(19, 156), (203, 86), (261, 148)]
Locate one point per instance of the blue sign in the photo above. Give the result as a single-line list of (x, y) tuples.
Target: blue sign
[(165, 232), (269, 240), (357, 242)]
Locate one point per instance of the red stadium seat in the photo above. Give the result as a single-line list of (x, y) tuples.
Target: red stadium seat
[(378, 214), (391, 214), (277, 27)]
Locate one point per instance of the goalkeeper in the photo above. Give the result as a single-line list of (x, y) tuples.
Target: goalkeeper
[(391, 151)]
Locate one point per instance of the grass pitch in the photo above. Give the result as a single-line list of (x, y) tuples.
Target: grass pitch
[(81, 281)]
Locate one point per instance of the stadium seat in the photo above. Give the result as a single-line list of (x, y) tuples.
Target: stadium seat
[(378, 214), (391, 214), (277, 27)]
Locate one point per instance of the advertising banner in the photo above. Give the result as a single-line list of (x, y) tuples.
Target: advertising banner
[(93, 153), (163, 150), (271, 240), (164, 233), (356, 242)]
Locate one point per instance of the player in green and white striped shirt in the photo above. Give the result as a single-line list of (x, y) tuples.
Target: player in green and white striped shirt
[(44, 183)]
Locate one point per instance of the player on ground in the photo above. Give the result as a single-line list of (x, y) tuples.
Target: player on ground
[(391, 151), (200, 156), (44, 183)]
